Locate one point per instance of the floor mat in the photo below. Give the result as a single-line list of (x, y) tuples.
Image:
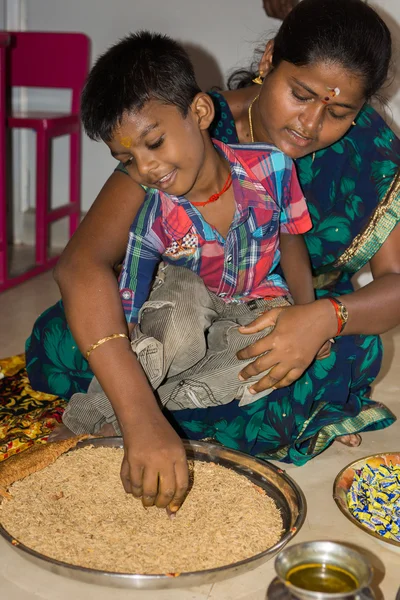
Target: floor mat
[(26, 417)]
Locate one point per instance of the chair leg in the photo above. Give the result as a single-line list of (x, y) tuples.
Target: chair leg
[(3, 213), (3, 176), (42, 196), (3, 235), (75, 180)]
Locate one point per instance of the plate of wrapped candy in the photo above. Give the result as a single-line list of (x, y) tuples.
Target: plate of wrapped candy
[(367, 492)]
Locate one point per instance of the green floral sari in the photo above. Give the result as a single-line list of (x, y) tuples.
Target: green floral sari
[(353, 195)]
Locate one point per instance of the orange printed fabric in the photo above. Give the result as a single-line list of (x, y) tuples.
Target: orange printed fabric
[(26, 416)]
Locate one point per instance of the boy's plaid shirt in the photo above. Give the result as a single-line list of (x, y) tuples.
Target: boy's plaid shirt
[(239, 268)]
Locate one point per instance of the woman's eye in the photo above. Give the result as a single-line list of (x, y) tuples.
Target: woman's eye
[(156, 144), (128, 162), (299, 97), (335, 116)]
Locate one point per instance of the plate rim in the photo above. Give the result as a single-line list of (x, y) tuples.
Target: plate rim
[(185, 579), (347, 512)]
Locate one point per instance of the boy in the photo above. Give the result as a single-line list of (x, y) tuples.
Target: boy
[(219, 217)]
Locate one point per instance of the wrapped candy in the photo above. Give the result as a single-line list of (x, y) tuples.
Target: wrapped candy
[(374, 499)]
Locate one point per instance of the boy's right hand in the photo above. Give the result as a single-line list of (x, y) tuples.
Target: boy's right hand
[(154, 467)]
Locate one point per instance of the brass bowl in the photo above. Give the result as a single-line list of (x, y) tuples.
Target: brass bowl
[(278, 485), (324, 553), (343, 483)]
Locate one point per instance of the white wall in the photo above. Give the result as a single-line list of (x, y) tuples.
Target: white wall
[(221, 33), (390, 11)]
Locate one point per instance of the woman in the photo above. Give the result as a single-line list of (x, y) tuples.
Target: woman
[(279, 9), (314, 80)]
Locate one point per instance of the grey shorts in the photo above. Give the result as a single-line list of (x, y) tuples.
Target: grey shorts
[(186, 341)]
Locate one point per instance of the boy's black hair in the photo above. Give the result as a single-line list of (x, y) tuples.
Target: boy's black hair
[(142, 66), (344, 32)]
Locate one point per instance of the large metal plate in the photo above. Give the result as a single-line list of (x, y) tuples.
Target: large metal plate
[(279, 486)]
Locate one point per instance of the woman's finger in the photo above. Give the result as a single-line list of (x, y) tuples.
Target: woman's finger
[(278, 9), (260, 348), (256, 349), (267, 319), (275, 380), (261, 364), (325, 351), (291, 377), (270, 380)]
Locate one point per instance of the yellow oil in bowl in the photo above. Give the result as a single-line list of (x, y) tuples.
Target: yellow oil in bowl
[(317, 577)]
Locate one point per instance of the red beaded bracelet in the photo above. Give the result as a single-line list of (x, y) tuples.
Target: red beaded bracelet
[(341, 314)]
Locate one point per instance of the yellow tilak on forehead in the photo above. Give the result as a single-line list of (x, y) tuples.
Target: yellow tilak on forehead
[(126, 142)]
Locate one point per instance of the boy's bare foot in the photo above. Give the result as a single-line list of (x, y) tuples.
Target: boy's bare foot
[(61, 432), (352, 440)]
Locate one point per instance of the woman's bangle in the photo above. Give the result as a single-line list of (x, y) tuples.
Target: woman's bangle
[(342, 314), (102, 341)]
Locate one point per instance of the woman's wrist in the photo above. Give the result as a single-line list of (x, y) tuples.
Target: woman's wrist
[(326, 318), (341, 313)]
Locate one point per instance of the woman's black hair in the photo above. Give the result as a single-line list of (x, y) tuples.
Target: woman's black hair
[(345, 32), (142, 66)]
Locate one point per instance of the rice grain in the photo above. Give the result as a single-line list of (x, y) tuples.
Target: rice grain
[(76, 511)]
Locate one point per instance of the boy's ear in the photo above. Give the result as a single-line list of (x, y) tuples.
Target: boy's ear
[(203, 110), (265, 64)]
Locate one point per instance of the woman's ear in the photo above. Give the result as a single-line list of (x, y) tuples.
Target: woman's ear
[(203, 110), (265, 64)]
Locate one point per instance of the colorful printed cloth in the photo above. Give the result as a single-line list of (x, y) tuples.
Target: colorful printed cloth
[(353, 196), (268, 201), (26, 416)]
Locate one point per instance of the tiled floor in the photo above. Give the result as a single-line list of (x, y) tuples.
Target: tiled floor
[(21, 580)]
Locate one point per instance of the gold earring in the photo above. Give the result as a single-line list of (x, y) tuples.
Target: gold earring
[(313, 158), (259, 79), (354, 123)]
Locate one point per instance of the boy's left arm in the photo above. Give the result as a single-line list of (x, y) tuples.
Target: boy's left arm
[(296, 266)]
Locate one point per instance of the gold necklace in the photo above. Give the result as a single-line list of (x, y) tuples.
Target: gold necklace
[(250, 118)]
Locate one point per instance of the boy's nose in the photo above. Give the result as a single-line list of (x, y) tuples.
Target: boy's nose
[(145, 165)]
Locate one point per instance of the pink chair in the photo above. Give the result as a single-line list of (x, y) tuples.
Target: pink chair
[(4, 41), (48, 60)]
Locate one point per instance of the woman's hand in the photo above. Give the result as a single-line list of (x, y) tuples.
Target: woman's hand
[(154, 467), (279, 9), (300, 333), (325, 351)]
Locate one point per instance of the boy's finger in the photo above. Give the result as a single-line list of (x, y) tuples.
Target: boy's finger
[(166, 488), (125, 478), (135, 475), (150, 486), (182, 484)]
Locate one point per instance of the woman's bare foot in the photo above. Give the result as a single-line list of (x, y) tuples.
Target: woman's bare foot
[(352, 439), (61, 432)]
